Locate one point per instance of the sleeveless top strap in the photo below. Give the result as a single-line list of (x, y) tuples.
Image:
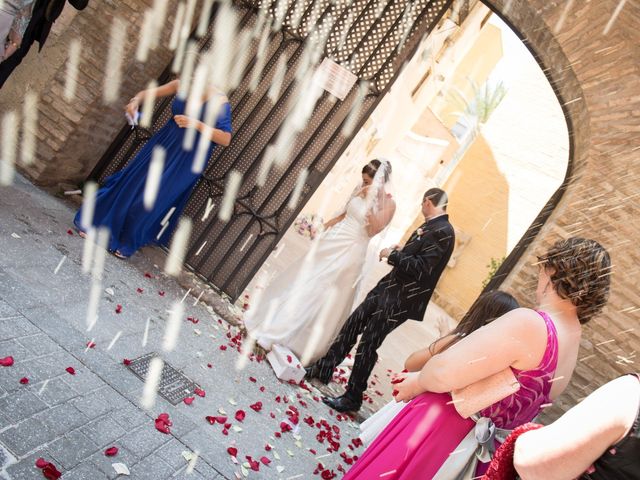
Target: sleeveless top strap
[(549, 363)]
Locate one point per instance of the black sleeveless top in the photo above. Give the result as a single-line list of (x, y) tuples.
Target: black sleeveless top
[(621, 461)]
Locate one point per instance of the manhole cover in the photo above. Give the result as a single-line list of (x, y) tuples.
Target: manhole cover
[(174, 385)]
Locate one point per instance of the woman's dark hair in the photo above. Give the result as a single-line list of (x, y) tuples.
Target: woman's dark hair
[(581, 272), (372, 167), (485, 309)]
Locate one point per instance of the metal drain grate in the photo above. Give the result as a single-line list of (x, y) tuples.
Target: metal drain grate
[(174, 385)]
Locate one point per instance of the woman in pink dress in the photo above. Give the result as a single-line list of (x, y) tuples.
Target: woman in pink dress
[(540, 346)]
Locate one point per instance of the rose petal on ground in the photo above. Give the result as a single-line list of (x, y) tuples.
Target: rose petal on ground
[(233, 451), (251, 379), (50, 472), (240, 414), (41, 463), (200, 392), (118, 308), (148, 275), (126, 361), (161, 293), (111, 451), (6, 361), (91, 344), (24, 380), (188, 400), (69, 232), (265, 460), (256, 406), (71, 370), (139, 290)]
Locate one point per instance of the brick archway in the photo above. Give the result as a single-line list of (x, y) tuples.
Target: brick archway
[(596, 77)]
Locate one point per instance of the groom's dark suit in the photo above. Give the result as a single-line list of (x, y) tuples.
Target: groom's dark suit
[(400, 295)]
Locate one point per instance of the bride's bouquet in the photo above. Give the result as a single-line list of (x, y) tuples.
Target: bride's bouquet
[(308, 225)]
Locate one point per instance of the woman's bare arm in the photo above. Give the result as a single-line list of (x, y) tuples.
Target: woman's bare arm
[(419, 358), (378, 221), (334, 220), (170, 88), (570, 445)]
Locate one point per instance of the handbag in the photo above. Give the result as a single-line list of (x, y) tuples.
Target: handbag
[(484, 393)]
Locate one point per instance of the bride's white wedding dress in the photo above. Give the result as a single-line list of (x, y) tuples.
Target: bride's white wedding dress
[(299, 293)]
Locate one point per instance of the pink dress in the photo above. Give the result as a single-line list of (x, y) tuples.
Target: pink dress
[(420, 438)]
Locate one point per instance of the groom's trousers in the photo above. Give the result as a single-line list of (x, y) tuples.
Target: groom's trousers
[(374, 318)]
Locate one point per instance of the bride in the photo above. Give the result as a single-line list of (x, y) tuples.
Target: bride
[(335, 262)]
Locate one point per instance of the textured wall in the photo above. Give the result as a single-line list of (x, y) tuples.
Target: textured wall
[(74, 135), (597, 77)]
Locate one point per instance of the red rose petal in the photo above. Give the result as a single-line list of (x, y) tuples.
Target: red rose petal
[(69, 232), (256, 406), (209, 365), (240, 415), (188, 400), (227, 426), (118, 308), (111, 451), (71, 370), (139, 290), (223, 347), (251, 379), (41, 463), (233, 451), (193, 320), (6, 361), (265, 460), (394, 393), (91, 344), (163, 423), (225, 432), (277, 434), (268, 447), (50, 472), (289, 358), (148, 275), (161, 293), (255, 466), (200, 392), (262, 389), (24, 380), (126, 361), (221, 420)]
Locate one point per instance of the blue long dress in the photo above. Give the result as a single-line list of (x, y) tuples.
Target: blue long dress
[(119, 202)]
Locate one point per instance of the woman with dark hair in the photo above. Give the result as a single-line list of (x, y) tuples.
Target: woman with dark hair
[(538, 348), (335, 261), (485, 309)]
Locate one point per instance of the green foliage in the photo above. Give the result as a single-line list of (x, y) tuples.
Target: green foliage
[(493, 267)]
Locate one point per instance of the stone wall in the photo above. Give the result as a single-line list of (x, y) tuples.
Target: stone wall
[(74, 135)]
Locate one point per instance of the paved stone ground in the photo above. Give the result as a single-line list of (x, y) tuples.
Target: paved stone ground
[(70, 419)]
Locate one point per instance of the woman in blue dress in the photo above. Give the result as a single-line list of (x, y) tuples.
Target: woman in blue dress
[(119, 202)]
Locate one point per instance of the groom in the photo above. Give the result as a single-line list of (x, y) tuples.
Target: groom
[(400, 295)]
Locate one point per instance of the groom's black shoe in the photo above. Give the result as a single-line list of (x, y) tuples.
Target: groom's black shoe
[(342, 404), (313, 373)]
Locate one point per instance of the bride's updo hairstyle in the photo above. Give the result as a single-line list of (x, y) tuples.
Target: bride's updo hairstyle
[(374, 165), (581, 272)]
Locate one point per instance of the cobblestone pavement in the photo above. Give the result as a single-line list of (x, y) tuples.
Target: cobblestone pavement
[(70, 419)]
